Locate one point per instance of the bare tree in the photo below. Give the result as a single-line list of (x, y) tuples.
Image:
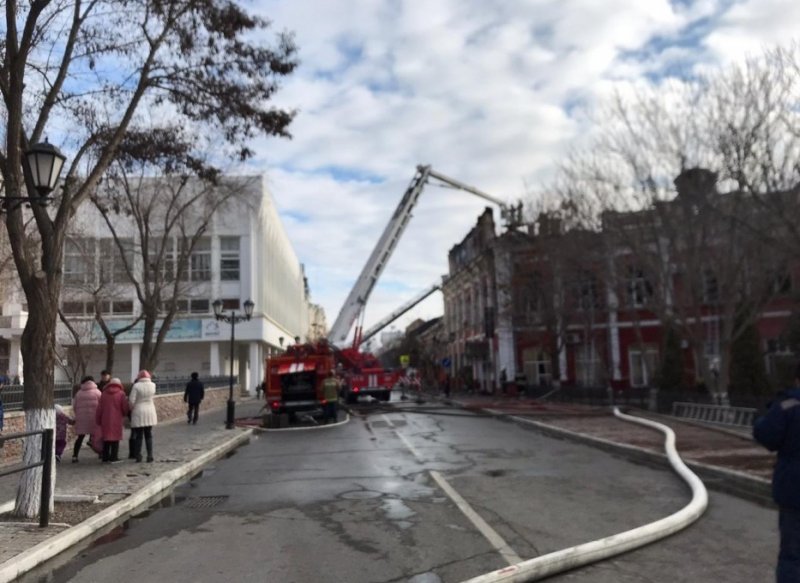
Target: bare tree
[(705, 261), (171, 216), (88, 71)]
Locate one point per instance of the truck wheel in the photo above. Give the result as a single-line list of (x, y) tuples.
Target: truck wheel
[(292, 418), (386, 396), (351, 399)]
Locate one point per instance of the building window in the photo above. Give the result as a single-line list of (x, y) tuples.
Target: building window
[(588, 294), (537, 367), (199, 306), (643, 366), (528, 297), (782, 283), (639, 289), (588, 366), (113, 260), (122, 307), (72, 308), (162, 259), (710, 287), (200, 261), (79, 261), (229, 258)]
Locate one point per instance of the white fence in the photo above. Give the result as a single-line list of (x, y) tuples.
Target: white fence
[(717, 414)]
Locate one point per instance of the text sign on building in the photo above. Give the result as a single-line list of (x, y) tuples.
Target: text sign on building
[(178, 330)]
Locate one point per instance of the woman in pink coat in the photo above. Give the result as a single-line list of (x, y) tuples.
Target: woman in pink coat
[(84, 407), (111, 412)]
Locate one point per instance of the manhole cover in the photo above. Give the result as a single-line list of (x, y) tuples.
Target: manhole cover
[(204, 501)]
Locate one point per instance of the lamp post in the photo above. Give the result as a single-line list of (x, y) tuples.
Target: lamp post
[(232, 319), (43, 163)]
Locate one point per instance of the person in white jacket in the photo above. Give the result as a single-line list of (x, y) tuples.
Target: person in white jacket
[(143, 414)]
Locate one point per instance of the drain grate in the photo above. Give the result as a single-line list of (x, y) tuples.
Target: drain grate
[(204, 501)]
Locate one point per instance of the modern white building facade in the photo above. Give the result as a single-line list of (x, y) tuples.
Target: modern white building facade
[(244, 253)]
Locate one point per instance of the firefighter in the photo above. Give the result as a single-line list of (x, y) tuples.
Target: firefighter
[(330, 392), (779, 430)]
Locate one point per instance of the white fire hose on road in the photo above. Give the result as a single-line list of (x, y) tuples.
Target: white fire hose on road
[(604, 548)]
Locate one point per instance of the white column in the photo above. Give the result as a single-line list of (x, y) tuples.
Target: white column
[(504, 326), (136, 352), (213, 358), (256, 369)]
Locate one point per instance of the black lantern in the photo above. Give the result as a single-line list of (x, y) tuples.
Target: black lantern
[(45, 162)]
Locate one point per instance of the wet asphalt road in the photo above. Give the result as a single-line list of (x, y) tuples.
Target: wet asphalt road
[(358, 503)]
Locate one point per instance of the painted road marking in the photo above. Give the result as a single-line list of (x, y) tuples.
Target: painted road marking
[(483, 527)]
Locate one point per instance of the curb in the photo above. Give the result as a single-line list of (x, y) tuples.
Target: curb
[(62, 541), (739, 484)]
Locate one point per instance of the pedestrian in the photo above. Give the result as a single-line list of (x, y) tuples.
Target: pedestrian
[(105, 376), (779, 430), (447, 386), (62, 421), (84, 407), (193, 396), (330, 395), (111, 411), (259, 388), (143, 414)]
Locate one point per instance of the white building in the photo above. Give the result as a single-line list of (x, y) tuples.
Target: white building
[(243, 254)]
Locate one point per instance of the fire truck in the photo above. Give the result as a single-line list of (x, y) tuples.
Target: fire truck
[(293, 379)]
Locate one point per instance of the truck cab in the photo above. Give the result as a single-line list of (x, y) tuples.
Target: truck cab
[(294, 379)]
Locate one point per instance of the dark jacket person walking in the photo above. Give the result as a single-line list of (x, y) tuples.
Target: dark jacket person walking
[(779, 430), (193, 395)]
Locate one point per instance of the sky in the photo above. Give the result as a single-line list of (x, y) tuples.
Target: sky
[(489, 93)]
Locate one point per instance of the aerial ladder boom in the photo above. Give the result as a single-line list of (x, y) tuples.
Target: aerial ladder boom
[(399, 312), (386, 245), (377, 261), (512, 215)]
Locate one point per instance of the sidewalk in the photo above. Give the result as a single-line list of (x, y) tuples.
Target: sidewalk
[(178, 448)]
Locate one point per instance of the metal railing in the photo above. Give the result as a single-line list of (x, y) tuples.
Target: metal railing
[(47, 468), (166, 386), (716, 414), (11, 395)]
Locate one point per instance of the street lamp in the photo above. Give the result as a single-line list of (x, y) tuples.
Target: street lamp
[(43, 162), (232, 319)]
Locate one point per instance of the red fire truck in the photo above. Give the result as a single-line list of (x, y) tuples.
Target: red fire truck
[(293, 380)]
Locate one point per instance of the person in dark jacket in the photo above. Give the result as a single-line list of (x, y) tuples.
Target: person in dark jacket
[(193, 395), (779, 430)]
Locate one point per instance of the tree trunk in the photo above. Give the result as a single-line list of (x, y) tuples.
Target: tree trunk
[(38, 353), (111, 344), (29, 489)]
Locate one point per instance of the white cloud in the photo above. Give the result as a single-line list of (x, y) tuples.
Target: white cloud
[(483, 92)]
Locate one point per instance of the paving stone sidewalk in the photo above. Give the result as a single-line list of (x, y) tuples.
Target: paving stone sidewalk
[(174, 443)]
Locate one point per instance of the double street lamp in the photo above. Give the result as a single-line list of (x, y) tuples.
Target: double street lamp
[(43, 163), (232, 318)]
